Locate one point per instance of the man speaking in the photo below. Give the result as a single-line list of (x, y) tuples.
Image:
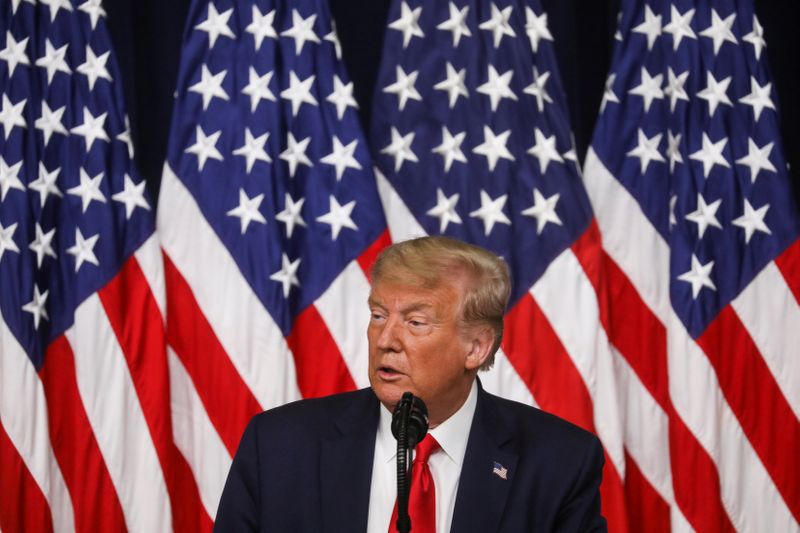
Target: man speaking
[(487, 464)]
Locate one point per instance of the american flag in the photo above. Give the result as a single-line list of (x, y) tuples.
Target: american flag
[(690, 188), (85, 429)]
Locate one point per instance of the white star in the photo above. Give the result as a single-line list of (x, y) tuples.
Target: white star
[(493, 147), (498, 24), (650, 27), (408, 23), (92, 128), (342, 96), (83, 250), (680, 26), (756, 38), (333, 37), (673, 150), (258, 88), (132, 196), (342, 157), (450, 149), (497, 86), (545, 150), (287, 275), (45, 184), (55, 6), (674, 89), (94, 9), (338, 217), (261, 27), (649, 88), (216, 24), (646, 150), (42, 244), (536, 28), (247, 210), (125, 137), (711, 154), (210, 86), (758, 98), (715, 93), (9, 178), (302, 31), (699, 276), (291, 214), (752, 220), (299, 92), (295, 153), (445, 210), (53, 60), (50, 122), (705, 215), (253, 149), (404, 86), (11, 115), (14, 53), (673, 201), (7, 243), (543, 210), (757, 159), (205, 147), (400, 149), (537, 89), (457, 23), (94, 67), (720, 30), (491, 211), (36, 307), (453, 84), (88, 190), (608, 94)]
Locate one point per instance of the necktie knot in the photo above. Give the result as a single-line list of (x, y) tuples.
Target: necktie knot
[(426, 448)]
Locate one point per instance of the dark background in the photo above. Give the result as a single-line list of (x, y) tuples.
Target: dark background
[(147, 36)]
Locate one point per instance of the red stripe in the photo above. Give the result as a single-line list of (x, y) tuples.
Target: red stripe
[(647, 511), (789, 265), (319, 364), (94, 498), (612, 499), (23, 506), (641, 339), (226, 398), (137, 324), (754, 396), (368, 257)]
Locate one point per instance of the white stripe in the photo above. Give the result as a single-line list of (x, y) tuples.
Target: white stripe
[(243, 326), (748, 494), (112, 406), (567, 297), (343, 307), (23, 414), (151, 262), (402, 224), (196, 437), (769, 311), (504, 381)]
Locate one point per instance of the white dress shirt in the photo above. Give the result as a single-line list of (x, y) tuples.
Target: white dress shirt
[(445, 465)]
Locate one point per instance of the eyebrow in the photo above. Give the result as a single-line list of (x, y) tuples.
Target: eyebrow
[(411, 308)]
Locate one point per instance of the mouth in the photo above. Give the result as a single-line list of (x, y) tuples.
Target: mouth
[(388, 373)]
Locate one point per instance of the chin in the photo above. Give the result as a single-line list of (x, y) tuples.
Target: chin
[(388, 393)]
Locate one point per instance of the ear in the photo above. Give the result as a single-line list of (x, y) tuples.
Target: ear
[(480, 348)]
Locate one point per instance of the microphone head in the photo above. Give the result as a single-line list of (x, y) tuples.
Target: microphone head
[(417, 412)]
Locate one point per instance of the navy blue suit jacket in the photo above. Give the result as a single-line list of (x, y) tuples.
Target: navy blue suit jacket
[(307, 467)]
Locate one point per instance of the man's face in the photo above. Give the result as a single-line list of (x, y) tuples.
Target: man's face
[(417, 346)]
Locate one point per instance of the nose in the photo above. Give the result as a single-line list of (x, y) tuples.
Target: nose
[(388, 339)]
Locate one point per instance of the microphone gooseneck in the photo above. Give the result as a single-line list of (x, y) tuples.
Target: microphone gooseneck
[(409, 427)]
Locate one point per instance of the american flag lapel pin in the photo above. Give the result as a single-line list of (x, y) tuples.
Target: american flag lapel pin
[(500, 471)]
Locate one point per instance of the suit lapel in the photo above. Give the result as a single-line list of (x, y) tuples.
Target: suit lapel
[(482, 494), (346, 466)]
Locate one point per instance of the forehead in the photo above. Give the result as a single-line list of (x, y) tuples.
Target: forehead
[(403, 296)]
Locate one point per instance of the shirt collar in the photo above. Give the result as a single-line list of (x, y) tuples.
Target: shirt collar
[(452, 434)]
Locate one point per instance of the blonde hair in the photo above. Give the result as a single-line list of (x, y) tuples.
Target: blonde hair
[(430, 261)]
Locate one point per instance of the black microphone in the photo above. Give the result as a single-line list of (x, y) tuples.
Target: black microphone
[(409, 426)]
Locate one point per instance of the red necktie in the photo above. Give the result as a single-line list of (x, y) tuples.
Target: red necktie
[(422, 500)]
